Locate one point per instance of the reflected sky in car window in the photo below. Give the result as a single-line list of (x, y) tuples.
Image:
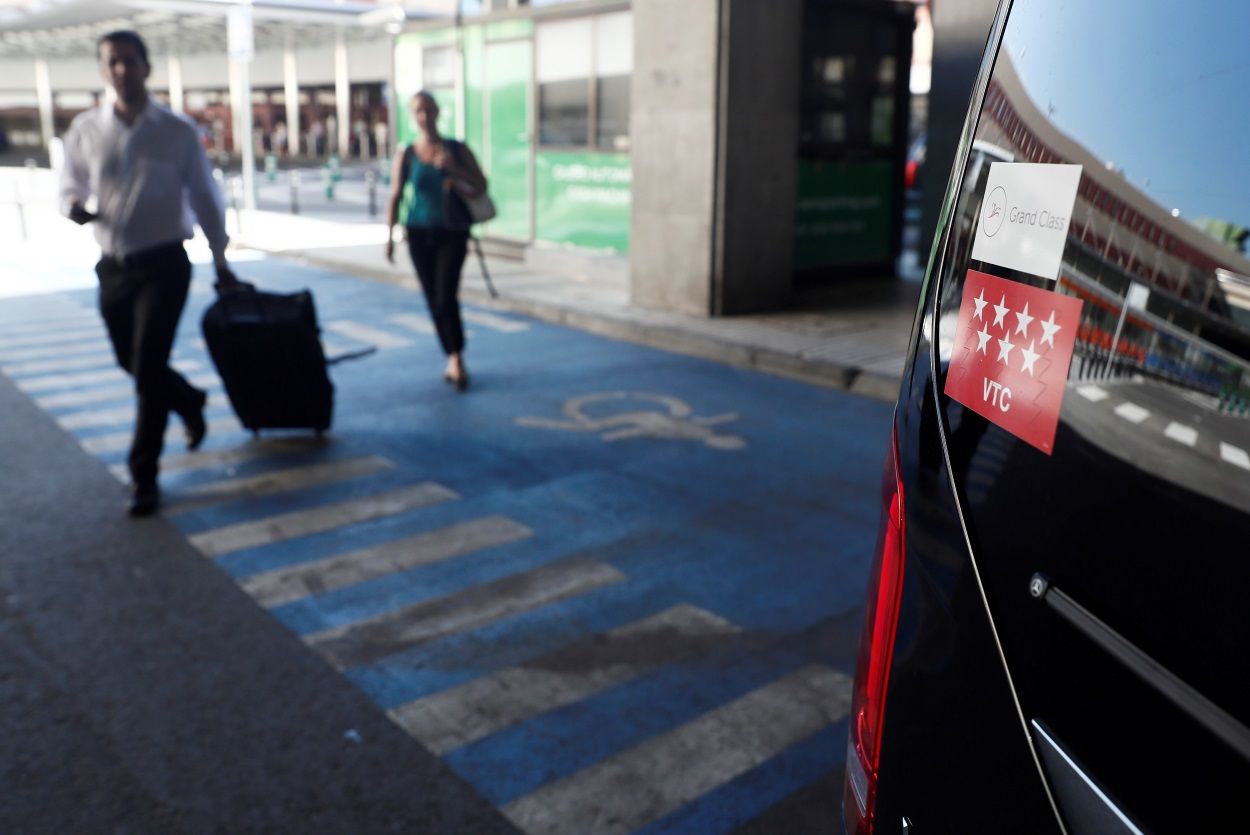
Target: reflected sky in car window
[(1171, 115)]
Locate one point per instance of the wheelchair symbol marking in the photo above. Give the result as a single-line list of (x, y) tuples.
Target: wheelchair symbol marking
[(674, 420)]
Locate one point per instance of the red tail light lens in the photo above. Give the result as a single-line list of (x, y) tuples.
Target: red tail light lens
[(876, 651)]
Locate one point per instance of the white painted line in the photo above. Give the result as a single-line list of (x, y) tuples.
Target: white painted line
[(87, 378), (1092, 393), (1186, 435), (641, 785), (493, 321), (118, 441), (413, 322), (98, 417), (476, 709), (369, 640), (255, 449), (279, 481), (110, 393), (94, 347), (1132, 412), (97, 360), (299, 523), (76, 318), (54, 338), (369, 335), (273, 588), (1235, 455), (80, 378)]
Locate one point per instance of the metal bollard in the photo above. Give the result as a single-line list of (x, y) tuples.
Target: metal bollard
[(371, 180), (295, 178)]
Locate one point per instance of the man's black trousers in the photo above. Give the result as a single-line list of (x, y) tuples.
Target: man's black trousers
[(141, 299), (438, 255)]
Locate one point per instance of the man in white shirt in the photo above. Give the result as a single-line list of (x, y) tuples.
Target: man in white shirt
[(148, 173)]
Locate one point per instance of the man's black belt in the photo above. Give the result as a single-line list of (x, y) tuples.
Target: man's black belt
[(145, 257)]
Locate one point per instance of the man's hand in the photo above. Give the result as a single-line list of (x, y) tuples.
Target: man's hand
[(227, 281), (80, 215), (390, 251)]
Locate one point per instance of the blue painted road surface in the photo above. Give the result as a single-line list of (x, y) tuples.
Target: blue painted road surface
[(616, 589)]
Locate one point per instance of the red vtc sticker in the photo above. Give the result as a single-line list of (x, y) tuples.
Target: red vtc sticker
[(1013, 345)]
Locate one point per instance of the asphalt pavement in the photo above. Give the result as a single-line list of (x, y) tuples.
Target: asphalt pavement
[(609, 589)]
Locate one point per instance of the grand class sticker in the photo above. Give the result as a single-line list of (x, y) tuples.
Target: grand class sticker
[(1025, 215), (1013, 346)]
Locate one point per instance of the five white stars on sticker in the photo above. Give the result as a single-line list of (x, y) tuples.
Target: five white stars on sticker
[(1023, 321)]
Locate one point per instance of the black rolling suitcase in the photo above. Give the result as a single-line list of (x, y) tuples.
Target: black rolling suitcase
[(267, 349)]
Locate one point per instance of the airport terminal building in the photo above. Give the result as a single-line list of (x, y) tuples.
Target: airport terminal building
[(723, 153)]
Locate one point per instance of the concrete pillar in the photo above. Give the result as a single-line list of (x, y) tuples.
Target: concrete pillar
[(342, 95), (176, 101), (43, 95), (714, 126), (240, 41), (290, 82)]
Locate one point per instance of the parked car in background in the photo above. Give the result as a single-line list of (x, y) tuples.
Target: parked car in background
[(1056, 636)]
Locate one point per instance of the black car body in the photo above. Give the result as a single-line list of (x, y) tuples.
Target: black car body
[(1056, 637)]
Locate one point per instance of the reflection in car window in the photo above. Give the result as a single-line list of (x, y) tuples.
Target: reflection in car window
[(1156, 244)]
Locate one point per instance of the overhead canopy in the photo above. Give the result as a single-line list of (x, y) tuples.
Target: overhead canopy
[(65, 28)]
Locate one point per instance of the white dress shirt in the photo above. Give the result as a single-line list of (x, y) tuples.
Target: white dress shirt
[(148, 178)]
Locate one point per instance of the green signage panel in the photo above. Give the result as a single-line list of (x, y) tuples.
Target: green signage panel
[(507, 150), (842, 212), (583, 199)]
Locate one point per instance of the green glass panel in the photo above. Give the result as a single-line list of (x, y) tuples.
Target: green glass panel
[(583, 199), (474, 87), (505, 29), (842, 212), (508, 149)]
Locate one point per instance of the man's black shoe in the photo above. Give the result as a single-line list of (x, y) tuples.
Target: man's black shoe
[(145, 499), (196, 426)]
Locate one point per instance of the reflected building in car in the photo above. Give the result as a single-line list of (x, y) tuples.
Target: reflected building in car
[(1191, 329)]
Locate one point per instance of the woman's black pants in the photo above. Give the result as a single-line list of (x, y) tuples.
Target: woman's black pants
[(438, 255), (141, 299)]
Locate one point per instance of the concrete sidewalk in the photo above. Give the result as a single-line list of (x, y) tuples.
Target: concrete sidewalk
[(853, 336)]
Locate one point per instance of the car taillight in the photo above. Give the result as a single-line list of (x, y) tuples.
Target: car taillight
[(876, 650)]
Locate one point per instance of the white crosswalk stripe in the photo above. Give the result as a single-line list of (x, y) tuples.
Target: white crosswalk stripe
[(666, 772), (368, 640), (493, 321), (369, 335), (101, 359), (51, 326), (279, 481), (1235, 455), (118, 441), (254, 450), (461, 715), (299, 523), (53, 338), (91, 347), (1132, 412), (273, 588), (1186, 435), (1092, 393), (413, 322), (87, 378), (98, 417), (108, 394)]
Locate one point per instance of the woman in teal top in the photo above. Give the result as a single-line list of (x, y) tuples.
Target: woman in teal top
[(426, 178)]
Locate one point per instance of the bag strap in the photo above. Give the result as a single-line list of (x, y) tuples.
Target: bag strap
[(405, 161)]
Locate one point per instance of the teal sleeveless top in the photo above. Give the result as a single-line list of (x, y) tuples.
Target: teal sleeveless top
[(421, 202)]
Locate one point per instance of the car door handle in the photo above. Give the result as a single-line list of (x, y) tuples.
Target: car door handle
[(1201, 709)]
